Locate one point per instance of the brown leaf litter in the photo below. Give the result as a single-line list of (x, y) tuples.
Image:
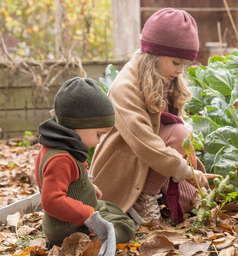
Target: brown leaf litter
[(23, 235)]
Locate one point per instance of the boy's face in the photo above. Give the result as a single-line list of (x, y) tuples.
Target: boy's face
[(91, 137), (171, 67)]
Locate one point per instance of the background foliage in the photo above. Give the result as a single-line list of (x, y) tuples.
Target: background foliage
[(86, 24)]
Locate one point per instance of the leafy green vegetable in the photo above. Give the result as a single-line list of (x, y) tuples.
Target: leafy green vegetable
[(213, 111), (110, 75), (224, 136)]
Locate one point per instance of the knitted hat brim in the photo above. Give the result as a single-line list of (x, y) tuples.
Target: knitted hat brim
[(86, 123), (163, 50)]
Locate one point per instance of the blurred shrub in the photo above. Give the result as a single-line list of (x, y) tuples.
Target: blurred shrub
[(86, 24)]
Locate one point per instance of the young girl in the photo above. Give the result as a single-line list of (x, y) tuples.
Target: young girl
[(141, 156)]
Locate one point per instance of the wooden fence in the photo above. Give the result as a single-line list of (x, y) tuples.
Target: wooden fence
[(23, 105)]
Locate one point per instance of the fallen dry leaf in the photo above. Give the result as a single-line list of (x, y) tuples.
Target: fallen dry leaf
[(25, 230), (227, 252), (13, 220), (196, 200), (222, 243), (175, 237), (133, 246), (155, 244), (72, 245), (193, 247), (33, 250), (144, 230), (40, 242), (92, 248), (125, 251), (235, 104), (6, 248)]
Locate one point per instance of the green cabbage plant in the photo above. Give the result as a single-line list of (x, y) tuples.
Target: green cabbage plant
[(212, 111)]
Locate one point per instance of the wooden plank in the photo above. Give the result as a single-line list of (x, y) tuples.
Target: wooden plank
[(27, 97), (21, 121), (8, 135), (126, 28), (94, 70)]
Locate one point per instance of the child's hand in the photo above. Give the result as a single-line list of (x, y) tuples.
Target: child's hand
[(98, 192), (92, 233), (201, 178)]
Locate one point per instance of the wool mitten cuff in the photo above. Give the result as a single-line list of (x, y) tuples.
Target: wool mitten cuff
[(105, 233), (98, 225), (183, 172)]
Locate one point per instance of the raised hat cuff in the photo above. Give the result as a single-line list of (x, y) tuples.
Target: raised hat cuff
[(86, 123), (163, 50)]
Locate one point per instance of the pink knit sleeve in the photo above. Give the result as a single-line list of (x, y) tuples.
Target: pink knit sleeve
[(59, 171)]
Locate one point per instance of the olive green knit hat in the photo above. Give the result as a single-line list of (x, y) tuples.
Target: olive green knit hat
[(80, 103)]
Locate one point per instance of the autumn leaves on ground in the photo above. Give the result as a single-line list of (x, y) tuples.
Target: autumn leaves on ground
[(23, 235)]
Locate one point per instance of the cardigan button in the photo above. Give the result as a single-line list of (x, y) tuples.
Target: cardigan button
[(84, 184)]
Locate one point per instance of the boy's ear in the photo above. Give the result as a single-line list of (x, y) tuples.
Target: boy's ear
[(52, 112)]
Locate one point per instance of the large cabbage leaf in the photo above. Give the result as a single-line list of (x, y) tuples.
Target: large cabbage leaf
[(219, 113), (201, 124), (222, 137), (221, 80), (197, 103), (225, 157)]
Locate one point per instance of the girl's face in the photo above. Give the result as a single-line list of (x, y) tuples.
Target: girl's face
[(171, 67), (91, 137)]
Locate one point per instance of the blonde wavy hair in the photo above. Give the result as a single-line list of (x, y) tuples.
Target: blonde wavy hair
[(151, 84)]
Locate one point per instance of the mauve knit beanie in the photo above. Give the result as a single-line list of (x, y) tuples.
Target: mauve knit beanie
[(82, 104), (171, 32)]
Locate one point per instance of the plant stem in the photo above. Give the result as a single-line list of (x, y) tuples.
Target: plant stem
[(199, 189)]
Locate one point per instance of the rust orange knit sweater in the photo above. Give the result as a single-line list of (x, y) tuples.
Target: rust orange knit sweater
[(59, 171)]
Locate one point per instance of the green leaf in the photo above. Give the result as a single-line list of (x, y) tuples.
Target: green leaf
[(218, 113), (202, 124), (90, 156), (221, 97), (232, 195), (110, 75), (208, 96), (207, 159), (197, 142), (197, 103), (191, 71), (201, 75), (226, 156), (186, 145), (222, 137), (191, 74), (215, 59), (221, 80), (217, 65), (232, 64), (234, 52), (234, 92)]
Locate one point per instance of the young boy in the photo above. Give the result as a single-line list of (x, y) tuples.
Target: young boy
[(83, 113)]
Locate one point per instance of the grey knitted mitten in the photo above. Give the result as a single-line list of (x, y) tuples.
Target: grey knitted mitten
[(105, 233)]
